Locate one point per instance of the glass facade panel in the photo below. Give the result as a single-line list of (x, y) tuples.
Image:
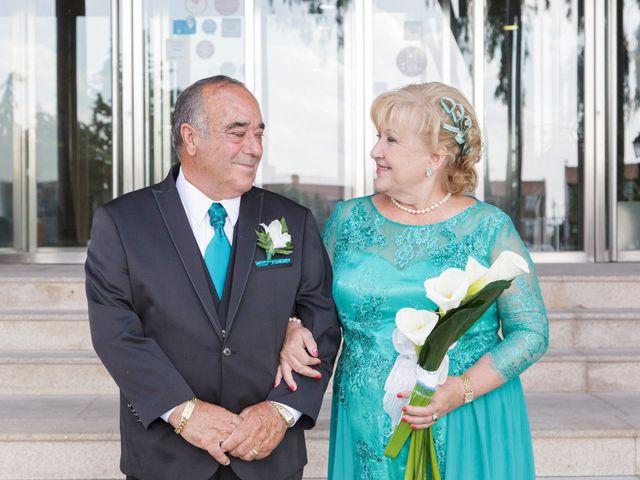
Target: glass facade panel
[(534, 119), (628, 141), (72, 86), (73, 124), (304, 101), (307, 68), (417, 41), (184, 41), (55, 118), (9, 125)]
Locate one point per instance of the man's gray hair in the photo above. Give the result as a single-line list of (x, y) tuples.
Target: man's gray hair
[(188, 108)]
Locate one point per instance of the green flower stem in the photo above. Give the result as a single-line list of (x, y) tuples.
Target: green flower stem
[(435, 471), (421, 449), (420, 397), (411, 459)]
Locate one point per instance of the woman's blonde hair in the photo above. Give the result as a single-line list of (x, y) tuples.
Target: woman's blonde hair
[(417, 107)]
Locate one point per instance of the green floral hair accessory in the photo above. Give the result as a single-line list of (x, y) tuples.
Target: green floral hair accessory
[(461, 123)]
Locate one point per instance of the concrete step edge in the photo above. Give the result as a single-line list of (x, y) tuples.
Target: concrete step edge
[(604, 314), (36, 357), (32, 315), (552, 414), (592, 355), (320, 432), (89, 356), (577, 314)]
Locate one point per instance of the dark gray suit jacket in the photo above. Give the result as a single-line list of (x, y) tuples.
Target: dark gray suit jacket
[(155, 326)]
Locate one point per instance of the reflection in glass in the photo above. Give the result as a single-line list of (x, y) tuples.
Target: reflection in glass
[(58, 54), (7, 126), (73, 117), (534, 119), (184, 41), (303, 100), (417, 41), (628, 158)]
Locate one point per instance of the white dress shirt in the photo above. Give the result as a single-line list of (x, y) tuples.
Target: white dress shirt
[(196, 204)]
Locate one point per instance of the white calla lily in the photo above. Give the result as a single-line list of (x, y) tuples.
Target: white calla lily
[(507, 266), (474, 270), (416, 325), (278, 237), (447, 290)]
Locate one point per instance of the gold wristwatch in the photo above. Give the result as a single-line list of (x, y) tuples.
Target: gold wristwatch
[(468, 388), (186, 415), (284, 412)]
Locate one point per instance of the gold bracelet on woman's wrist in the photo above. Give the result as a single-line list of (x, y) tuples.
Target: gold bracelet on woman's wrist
[(468, 388)]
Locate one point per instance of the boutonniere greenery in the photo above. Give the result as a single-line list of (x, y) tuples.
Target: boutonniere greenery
[(275, 238)]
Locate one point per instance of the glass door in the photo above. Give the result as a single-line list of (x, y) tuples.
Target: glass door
[(289, 53), (303, 86), (416, 41), (627, 140), (182, 42), (55, 121), (534, 118)]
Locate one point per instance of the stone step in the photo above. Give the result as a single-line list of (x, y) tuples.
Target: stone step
[(590, 292), (587, 286), (585, 370), (54, 373), (567, 370), (59, 437), (578, 435), (59, 329), (29, 330), (564, 286), (81, 372), (42, 287), (306, 477), (595, 328)]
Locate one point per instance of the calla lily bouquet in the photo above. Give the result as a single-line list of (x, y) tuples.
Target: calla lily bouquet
[(423, 338)]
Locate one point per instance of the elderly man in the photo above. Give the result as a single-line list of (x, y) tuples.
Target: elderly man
[(189, 307)]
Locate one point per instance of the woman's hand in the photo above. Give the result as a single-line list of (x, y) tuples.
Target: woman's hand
[(299, 351), (448, 397)]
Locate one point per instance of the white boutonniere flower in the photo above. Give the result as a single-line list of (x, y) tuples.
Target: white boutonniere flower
[(275, 238)]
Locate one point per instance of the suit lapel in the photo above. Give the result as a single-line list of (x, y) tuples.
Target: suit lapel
[(177, 224), (248, 221)]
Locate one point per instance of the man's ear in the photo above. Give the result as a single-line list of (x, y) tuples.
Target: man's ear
[(189, 138)]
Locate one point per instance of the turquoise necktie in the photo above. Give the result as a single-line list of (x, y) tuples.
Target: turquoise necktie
[(217, 254)]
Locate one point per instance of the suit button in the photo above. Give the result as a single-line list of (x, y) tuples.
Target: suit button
[(226, 351)]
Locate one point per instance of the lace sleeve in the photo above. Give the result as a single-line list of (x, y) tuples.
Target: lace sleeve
[(523, 319), (330, 231)]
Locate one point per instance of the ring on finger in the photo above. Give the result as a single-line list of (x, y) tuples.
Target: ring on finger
[(435, 417), (255, 452)]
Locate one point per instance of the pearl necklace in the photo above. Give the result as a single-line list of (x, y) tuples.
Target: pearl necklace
[(422, 211)]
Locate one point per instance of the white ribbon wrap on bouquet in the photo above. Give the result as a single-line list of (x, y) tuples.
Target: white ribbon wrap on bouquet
[(405, 373)]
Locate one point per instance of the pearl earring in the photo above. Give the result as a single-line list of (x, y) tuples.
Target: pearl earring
[(429, 171)]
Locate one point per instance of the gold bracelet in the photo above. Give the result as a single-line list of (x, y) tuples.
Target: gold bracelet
[(468, 388), (294, 320), (186, 415)]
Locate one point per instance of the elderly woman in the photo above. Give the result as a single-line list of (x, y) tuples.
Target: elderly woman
[(421, 222)]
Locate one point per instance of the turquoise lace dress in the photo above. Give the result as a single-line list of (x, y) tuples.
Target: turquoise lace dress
[(379, 267)]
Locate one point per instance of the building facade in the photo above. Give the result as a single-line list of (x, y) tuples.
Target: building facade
[(87, 89)]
